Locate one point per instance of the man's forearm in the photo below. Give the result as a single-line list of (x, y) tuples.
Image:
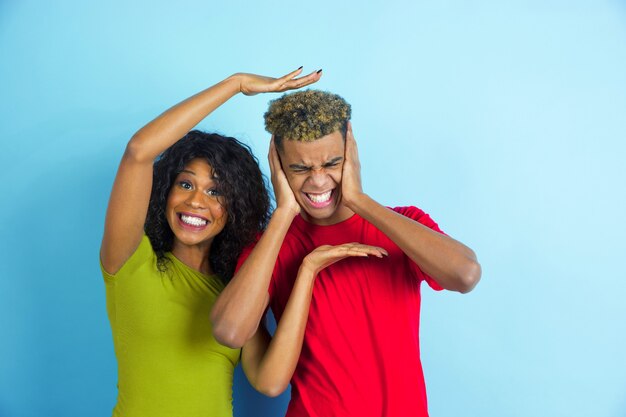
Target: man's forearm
[(452, 264), (239, 308)]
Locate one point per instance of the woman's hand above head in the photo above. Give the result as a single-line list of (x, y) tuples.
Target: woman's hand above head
[(251, 84), (126, 216)]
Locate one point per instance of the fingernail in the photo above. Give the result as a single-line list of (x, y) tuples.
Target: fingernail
[(300, 67), (318, 71)]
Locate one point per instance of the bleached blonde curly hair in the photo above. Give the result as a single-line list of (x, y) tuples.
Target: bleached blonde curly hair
[(307, 115)]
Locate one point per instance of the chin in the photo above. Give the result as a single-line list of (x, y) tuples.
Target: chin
[(319, 215)]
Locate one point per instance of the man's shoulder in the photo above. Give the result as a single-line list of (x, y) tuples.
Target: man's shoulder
[(409, 211), (419, 215)]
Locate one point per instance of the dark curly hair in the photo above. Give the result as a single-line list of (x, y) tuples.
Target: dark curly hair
[(239, 181)]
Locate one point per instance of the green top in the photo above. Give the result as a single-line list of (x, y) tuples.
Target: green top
[(169, 363)]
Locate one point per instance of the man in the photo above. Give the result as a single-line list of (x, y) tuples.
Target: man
[(360, 355)]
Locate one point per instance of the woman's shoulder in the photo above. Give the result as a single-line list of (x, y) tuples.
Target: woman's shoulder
[(142, 255)]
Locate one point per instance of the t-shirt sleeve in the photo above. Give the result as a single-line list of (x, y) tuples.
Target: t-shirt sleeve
[(143, 253), (422, 218)]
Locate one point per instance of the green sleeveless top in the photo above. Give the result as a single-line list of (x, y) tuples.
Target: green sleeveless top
[(169, 363)]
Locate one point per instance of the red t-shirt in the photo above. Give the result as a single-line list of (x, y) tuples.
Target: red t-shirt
[(360, 355)]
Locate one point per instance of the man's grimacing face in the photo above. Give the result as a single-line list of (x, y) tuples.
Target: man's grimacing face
[(314, 170)]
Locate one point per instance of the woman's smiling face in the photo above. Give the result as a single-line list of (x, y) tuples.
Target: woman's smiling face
[(195, 210)]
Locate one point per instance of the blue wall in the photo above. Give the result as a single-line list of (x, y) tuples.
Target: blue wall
[(506, 122)]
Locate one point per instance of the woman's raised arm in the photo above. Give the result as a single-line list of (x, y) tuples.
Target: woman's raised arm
[(130, 196)]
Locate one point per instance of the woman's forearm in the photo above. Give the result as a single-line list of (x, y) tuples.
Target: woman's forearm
[(278, 363), (239, 308), (165, 130)]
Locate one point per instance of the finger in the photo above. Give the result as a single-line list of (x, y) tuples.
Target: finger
[(278, 163), (381, 250), (372, 250), (360, 250), (351, 245), (303, 81), (315, 75), (291, 75), (352, 152), (350, 135), (271, 156), (309, 79)]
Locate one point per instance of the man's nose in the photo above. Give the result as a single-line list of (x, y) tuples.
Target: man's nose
[(319, 177)]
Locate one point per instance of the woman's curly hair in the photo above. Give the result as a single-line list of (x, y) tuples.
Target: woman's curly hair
[(307, 115), (239, 181)]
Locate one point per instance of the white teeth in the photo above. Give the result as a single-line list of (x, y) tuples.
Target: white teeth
[(194, 221), (320, 198)]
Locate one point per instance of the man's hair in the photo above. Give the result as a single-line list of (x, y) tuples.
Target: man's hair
[(307, 115)]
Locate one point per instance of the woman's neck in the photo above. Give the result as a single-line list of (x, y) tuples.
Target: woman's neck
[(194, 256)]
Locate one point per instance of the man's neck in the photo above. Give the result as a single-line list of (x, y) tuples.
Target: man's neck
[(342, 213)]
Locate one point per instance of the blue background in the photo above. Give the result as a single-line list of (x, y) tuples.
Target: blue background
[(504, 120)]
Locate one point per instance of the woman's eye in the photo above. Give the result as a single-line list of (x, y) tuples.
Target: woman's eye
[(213, 192), (185, 185)]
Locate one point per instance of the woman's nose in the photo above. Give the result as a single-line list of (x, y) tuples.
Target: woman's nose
[(196, 199)]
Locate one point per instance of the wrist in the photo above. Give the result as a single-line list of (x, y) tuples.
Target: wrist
[(284, 215), (236, 81), (355, 201), (307, 269), (288, 210)]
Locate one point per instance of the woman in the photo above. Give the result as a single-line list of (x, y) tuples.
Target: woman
[(173, 231)]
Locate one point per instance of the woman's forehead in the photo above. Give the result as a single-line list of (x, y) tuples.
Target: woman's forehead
[(199, 167)]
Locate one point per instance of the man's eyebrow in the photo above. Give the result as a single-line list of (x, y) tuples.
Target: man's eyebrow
[(298, 166), (334, 160)]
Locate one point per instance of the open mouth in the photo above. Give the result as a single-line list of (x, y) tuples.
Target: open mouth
[(319, 200), (193, 221)]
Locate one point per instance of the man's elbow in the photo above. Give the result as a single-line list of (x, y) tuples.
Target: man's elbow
[(469, 276)]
